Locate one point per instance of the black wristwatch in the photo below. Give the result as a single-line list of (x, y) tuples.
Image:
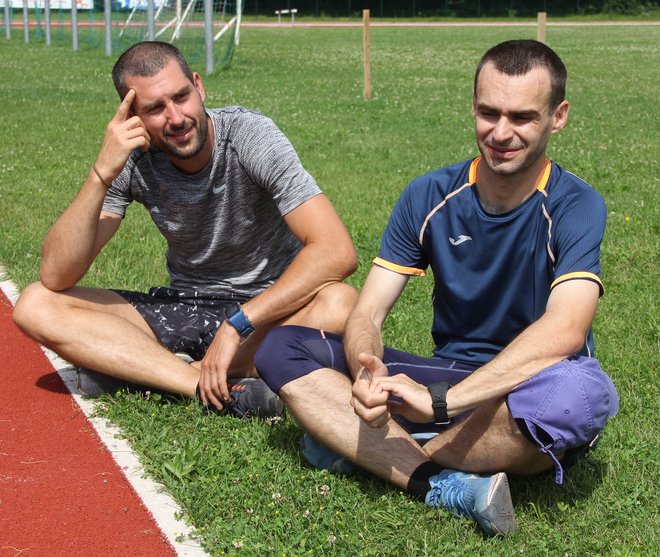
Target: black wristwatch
[(439, 399), (237, 319)]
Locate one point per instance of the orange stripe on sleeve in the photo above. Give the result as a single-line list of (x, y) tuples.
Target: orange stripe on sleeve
[(399, 268), (579, 276)]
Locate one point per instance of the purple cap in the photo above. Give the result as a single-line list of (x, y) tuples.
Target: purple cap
[(566, 405)]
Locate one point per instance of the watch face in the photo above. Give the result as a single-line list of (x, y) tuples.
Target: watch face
[(239, 320)]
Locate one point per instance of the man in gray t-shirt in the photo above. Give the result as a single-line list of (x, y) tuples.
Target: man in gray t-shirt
[(252, 242)]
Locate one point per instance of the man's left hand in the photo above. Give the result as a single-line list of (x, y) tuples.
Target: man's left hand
[(215, 366), (415, 405)]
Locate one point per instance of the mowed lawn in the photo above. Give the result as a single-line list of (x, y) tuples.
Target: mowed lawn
[(244, 484)]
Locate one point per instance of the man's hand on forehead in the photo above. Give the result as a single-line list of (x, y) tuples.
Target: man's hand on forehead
[(124, 133), (131, 99)]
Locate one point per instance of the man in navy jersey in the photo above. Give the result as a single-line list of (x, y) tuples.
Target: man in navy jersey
[(513, 241)]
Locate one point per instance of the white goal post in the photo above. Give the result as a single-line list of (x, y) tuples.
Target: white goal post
[(173, 15)]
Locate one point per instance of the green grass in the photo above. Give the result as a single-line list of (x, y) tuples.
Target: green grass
[(227, 473)]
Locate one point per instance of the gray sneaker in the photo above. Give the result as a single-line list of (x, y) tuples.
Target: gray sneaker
[(250, 397), (93, 383)]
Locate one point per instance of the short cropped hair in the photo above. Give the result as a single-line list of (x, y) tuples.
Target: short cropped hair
[(146, 59), (519, 57)]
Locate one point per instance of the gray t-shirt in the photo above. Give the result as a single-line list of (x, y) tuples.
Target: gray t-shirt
[(224, 227)]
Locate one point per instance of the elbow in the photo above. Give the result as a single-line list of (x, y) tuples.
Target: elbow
[(351, 262), (348, 260), (574, 340), (54, 281), (51, 283)]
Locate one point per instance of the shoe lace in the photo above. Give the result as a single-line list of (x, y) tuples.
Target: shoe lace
[(452, 495), (238, 400)]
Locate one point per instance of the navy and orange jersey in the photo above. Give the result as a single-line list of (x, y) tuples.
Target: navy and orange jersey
[(493, 273)]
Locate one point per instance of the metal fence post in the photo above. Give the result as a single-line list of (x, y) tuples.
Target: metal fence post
[(107, 10), (208, 35)]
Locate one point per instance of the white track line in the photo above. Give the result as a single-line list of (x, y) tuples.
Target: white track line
[(158, 502)]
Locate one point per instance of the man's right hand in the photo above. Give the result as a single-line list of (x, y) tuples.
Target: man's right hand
[(124, 133), (369, 401)]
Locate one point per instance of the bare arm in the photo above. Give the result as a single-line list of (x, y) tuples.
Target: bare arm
[(76, 238), (363, 344), (380, 292), (327, 257), (559, 333)]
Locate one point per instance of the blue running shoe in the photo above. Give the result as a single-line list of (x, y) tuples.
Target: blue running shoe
[(485, 499), (319, 456)]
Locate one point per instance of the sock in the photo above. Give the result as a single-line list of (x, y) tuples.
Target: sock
[(418, 484)]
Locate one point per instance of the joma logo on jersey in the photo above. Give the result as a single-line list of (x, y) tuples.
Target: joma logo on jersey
[(462, 238)]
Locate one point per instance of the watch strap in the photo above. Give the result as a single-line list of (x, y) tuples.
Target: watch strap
[(438, 393), (237, 319)]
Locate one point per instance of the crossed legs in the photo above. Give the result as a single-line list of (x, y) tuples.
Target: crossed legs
[(98, 329), (486, 441), (302, 366)]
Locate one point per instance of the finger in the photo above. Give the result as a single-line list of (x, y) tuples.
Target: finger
[(209, 397), (125, 106), (133, 128), (142, 139), (203, 387), (379, 421), (372, 363), (369, 414), (215, 401), (202, 393), (368, 397), (363, 376), (223, 390), (215, 393)]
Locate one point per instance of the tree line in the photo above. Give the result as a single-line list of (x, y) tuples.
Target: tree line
[(448, 8)]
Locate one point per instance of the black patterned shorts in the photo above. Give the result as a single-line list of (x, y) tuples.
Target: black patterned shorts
[(183, 320)]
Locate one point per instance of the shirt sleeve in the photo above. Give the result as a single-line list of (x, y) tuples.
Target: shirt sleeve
[(578, 235), (272, 162), (118, 196), (400, 249)]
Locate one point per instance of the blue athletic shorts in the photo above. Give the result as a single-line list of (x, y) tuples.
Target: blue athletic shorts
[(562, 409), (183, 320)]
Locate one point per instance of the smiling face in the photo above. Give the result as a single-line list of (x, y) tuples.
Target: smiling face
[(172, 109), (514, 120)]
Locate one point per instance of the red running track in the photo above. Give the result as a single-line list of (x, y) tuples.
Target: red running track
[(61, 492)]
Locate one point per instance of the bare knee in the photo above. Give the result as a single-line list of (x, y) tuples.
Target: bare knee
[(330, 308), (488, 440), (33, 309)]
